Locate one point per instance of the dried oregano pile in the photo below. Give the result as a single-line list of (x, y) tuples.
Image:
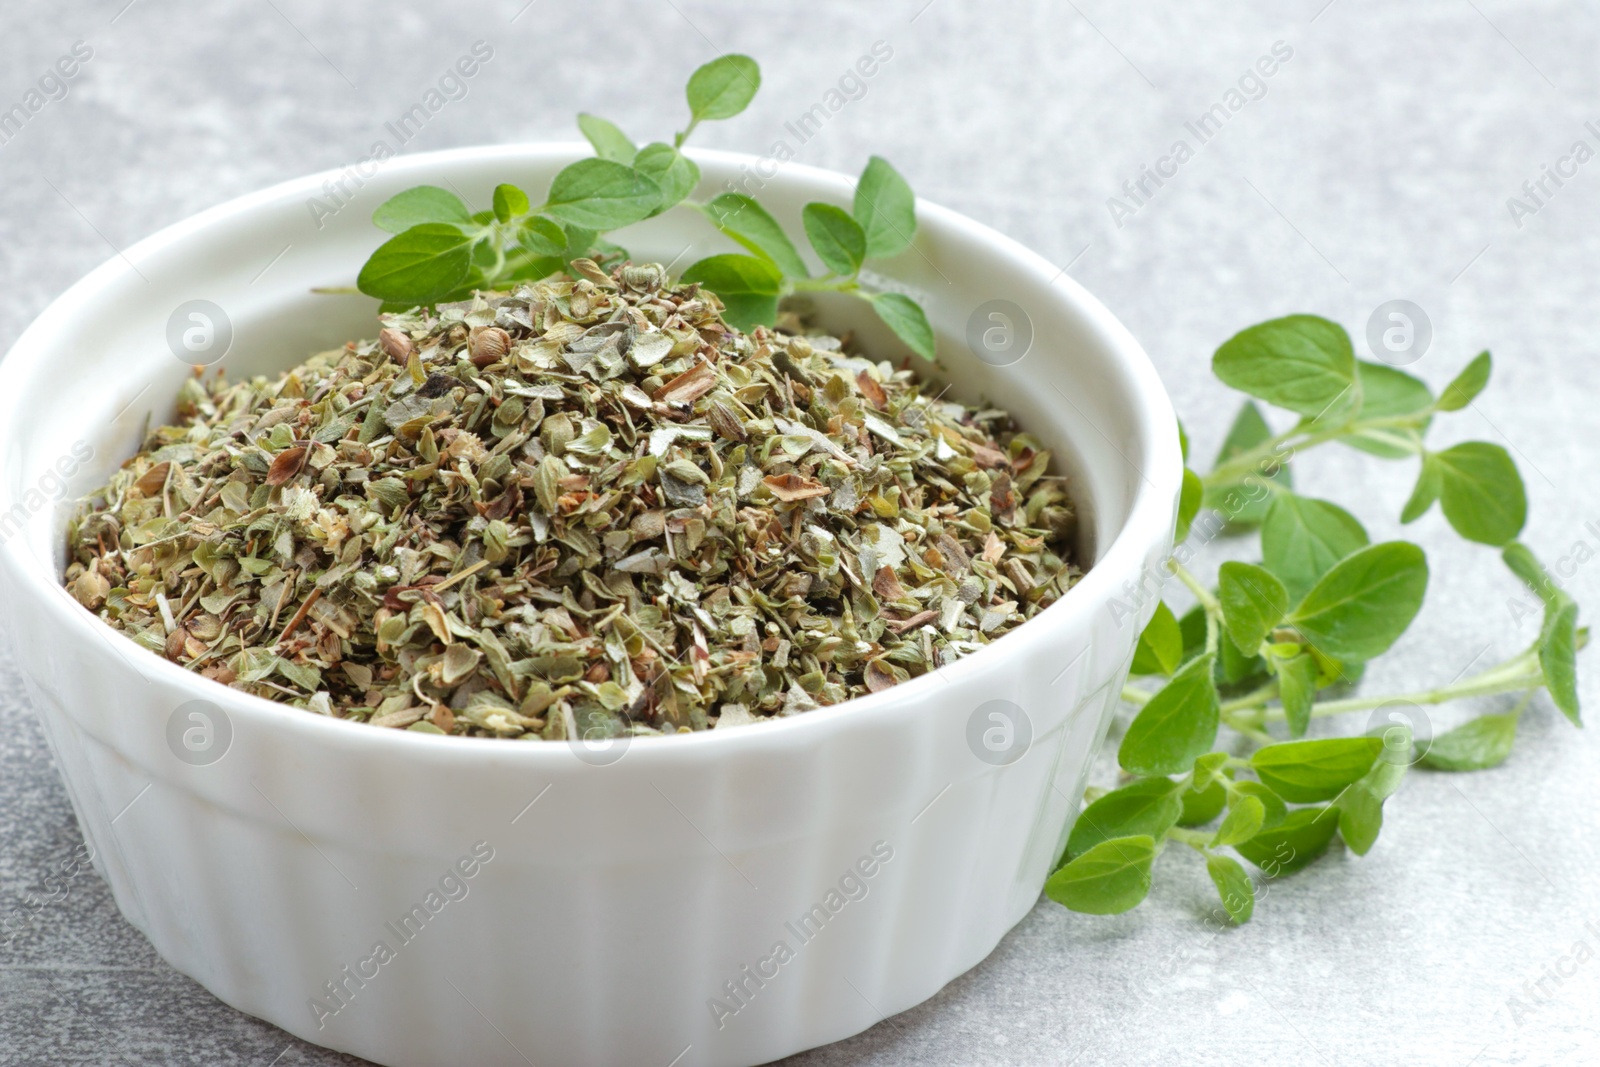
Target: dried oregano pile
[(584, 508)]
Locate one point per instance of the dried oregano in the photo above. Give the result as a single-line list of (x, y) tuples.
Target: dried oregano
[(583, 508)]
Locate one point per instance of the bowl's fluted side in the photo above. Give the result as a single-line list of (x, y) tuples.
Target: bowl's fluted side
[(618, 912), (615, 909)]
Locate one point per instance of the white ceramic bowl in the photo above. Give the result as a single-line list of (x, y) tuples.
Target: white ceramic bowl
[(613, 903)]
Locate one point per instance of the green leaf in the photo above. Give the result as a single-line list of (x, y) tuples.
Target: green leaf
[(1481, 492), (1244, 502), (1160, 648), (906, 318), (1301, 362), (1110, 878), (1190, 496), (1244, 821), (1525, 565), (748, 287), (1361, 804), (886, 209), (1360, 607), (1467, 385), (609, 141), (840, 242), (1235, 666), (1148, 806), (1475, 745), (674, 172), (580, 241), (1390, 393), (1183, 441), (1297, 689), (422, 265), (1360, 818), (1302, 538), (422, 204), (1425, 492), (1211, 767), (542, 236), (723, 87), (1305, 771), (1253, 602), (1558, 656), (747, 222), (509, 202), (1234, 887), (1292, 844), (1203, 805), (1176, 727), (1274, 810), (599, 194), (1193, 628)]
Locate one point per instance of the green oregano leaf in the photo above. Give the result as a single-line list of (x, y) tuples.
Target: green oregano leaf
[(1148, 806), (748, 223), (1176, 727), (1301, 837), (838, 239), (419, 205), (1274, 810), (1200, 806), (609, 142), (1244, 821), (600, 194), (1302, 539), (1190, 496), (1253, 602), (419, 266), (1109, 878), (1467, 385), (1305, 771), (906, 318), (1234, 888), (748, 287), (723, 87), (886, 209), (1297, 690), (1244, 500), (674, 172), (1558, 652), (1525, 565), (1360, 607), (1425, 492), (542, 236), (1360, 818), (1474, 745), (1300, 362), (1160, 648), (509, 202), (1481, 492)]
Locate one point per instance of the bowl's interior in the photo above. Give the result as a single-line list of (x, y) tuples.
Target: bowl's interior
[(96, 368)]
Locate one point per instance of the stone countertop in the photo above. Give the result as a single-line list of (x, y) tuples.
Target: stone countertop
[(1385, 158)]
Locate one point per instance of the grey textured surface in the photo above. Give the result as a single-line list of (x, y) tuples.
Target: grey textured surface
[(1376, 165)]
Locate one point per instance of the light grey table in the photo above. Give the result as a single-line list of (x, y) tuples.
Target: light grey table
[(1376, 163)]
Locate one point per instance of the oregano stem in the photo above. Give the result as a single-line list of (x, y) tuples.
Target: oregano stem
[(1523, 672), (1212, 606), (1235, 468), (1198, 840)]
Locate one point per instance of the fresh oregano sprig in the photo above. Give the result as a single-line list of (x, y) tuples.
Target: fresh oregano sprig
[(441, 251), (1279, 642)]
